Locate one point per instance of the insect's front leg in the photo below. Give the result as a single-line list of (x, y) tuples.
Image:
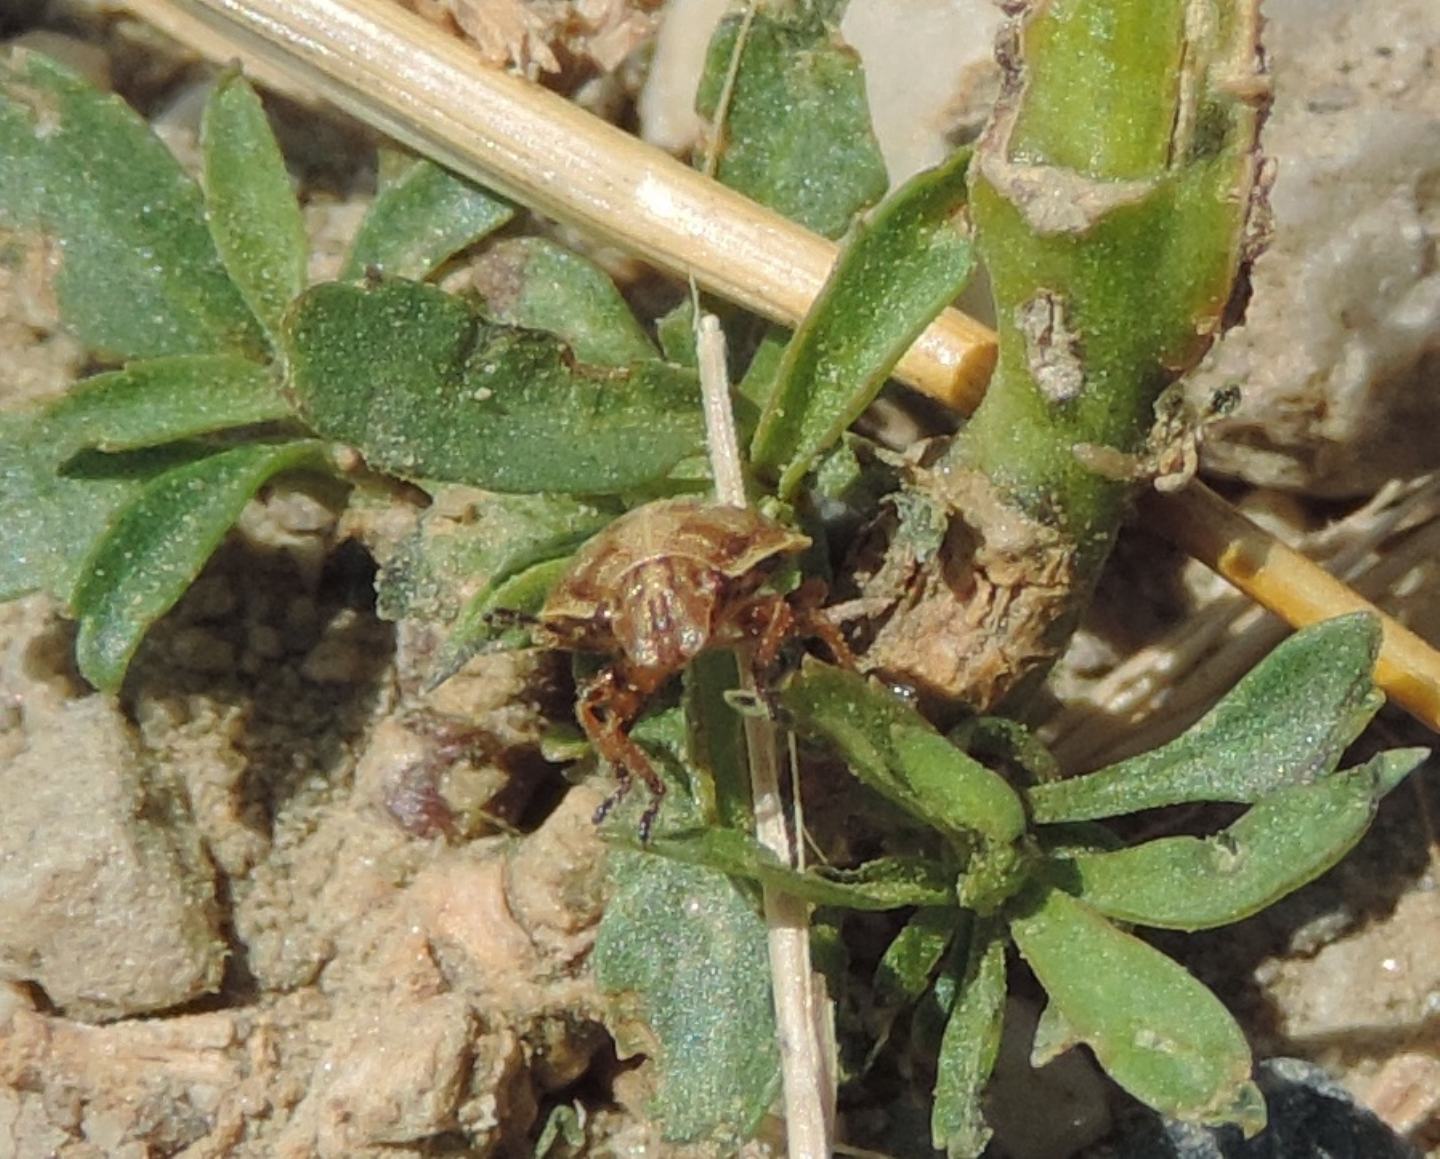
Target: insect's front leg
[(808, 605), (608, 707), (771, 624), (771, 620)]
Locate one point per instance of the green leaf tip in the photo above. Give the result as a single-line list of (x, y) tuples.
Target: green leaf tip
[(249, 204), (79, 171), (1155, 1029), (56, 510), (968, 1050), (163, 400), (158, 544), (895, 751), (1285, 723), (534, 283), (1288, 838), (896, 272), (420, 220), (911, 959)]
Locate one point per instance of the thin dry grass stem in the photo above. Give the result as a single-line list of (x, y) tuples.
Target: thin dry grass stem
[(1143, 702), (1296, 588), (409, 79), (719, 419), (801, 1012), (727, 93)]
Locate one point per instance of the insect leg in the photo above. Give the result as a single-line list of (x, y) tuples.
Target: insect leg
[(607, 709), (774, 623), (808, 601)]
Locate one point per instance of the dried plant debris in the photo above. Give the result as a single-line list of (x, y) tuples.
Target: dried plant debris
[(972, 607), (539, 37)]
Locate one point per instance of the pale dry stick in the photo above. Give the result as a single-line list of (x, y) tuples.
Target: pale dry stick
[(406, 77), (719, 418), (800, 1012), (1223, 640), (1295, 587), (396, 71)]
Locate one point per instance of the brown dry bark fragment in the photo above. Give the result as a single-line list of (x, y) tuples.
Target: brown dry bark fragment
[(969, 622)]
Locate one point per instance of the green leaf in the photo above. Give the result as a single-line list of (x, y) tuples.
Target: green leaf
[(1157, 1031), (896, 272), (534, 283), (157, 545), (885, 883), (715, 734), (54, 513), (675, 332), (1286, 723), (1053, 1037), (932, 1013), (894, 750), (419, 221), (797, 134), (163, 400), (760, 376), (252, 211), (80, 173), (910, 961), (999, 739), (1286, 839), (426, 390), (467, 542), (681, 951), (481, 625), (968, 1050)]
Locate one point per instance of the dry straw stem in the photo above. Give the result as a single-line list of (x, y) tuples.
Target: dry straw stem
[(801, 1012), (428, 89), (1280, 578), (408, 78)]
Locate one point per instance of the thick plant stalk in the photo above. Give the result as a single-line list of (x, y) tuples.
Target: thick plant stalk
[(428, 77), (1111, 193)]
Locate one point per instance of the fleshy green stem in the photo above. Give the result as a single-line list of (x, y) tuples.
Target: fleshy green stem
[(1111, 195)]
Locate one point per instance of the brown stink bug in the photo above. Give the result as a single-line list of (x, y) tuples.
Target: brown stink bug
[(653, 590)]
